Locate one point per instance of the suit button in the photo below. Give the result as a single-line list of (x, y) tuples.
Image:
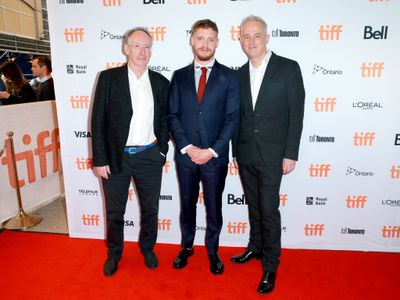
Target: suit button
[(256, 130), (200, 112)]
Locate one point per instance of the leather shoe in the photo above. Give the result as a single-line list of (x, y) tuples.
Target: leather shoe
[(216, 264), (110, 266), (245, 257), (267, 283), (150, 260), (181, 260)]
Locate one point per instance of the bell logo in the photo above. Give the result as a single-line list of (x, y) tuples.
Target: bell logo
[(283, 198), (391, 231), (356, 201), (377, 34), (330, 32), (79, 102), (363, 139), (111, 65), (28, 156), (314, 229), (164, 224), (395, 172), (235, 33), (157, 33), (232, 169), (397, 139), (90, 220), (237, 228), (318, 170), (324, 104), (110, 3), (200, 200), (372, 69), (84, 163), (74, 35), (192, 2)]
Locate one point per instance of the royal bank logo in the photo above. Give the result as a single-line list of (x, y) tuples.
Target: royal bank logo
[(321, 139), (76, 69), (110, 36), (71, 1), (365, 105), (281, 33), (391, 203), (347, 230), (354, 172), (84, 192), (325, 71), (318, 201)]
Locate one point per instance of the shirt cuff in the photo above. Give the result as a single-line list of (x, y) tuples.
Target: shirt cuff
[(215, 154), (183, 150)]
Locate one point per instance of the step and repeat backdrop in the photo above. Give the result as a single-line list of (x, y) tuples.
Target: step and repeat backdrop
[(345, 191)]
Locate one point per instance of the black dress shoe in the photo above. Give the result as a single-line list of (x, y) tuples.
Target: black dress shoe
[(181, 260), (150, 260), (267, 283), (245, 257), (110, 266), (216, 264)]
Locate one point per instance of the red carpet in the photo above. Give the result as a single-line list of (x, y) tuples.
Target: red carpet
[(47, 266)]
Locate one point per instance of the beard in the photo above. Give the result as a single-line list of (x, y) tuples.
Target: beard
[(201, 57)]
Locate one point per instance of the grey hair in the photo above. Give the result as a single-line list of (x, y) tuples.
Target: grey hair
[(127, 35), (253, 18)]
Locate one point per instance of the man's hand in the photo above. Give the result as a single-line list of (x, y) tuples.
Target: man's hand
[(235, 163), (288, 165), (102, 171), (204, 155), (193, 152)]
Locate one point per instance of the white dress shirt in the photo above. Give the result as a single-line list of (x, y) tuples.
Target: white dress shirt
[(141, 130), (256, 77)]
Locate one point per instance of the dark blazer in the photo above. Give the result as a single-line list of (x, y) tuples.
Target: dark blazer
[(210, 124), (45, 90), (274, 127), (25, 95), (112, 114)]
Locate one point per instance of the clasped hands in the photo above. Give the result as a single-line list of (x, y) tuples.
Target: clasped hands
[(199, 156)]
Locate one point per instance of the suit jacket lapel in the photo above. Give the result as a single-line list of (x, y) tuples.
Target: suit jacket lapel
[(153, 83), (124, 83), (246, 86)]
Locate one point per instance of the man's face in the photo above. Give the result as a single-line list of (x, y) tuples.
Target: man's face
[(204, 41), (37, 70), (254, 40), (138, 49)]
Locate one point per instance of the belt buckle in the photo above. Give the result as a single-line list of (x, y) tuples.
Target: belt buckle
[(132, 150)]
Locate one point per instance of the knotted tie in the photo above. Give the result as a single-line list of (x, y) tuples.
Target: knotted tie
[(202, 83)]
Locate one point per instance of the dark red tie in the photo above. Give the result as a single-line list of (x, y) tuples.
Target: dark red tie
[(202, 83)]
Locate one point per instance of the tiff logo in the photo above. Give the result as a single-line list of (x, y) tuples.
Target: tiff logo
[(80, 102), (372, 69), (363, 139), (283, 198), (395, 172), (90, 220), (164, 224), (391, 231), (157, 33), (324, 104), (74, 35), (108, 3), (330, 32), (191, 2), (285, 1), (356, 201), (319, 170), (237, 228), (314, 229), (235, 33), (84, 163), (46, 143), (232, 170), (200, 199), (377, 34)]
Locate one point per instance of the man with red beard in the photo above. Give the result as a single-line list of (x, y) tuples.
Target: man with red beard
[(203, 116)]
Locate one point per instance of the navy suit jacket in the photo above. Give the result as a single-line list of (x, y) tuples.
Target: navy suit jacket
[(211, 123)]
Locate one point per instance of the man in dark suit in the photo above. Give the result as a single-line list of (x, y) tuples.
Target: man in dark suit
[(41, 68), (267, 143), (130, 140), (203, 116)]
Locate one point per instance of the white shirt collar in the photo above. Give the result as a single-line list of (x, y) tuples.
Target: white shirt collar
[(45, 78), (263, 64), (143, 78), (198, 65)]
